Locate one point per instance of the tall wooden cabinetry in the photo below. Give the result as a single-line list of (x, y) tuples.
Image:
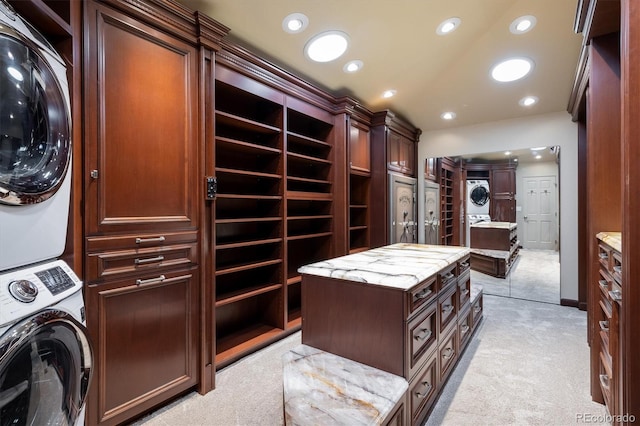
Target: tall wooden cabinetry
[(450, 201), (606, 102), (502, 206), (141, 174), (393, 150)]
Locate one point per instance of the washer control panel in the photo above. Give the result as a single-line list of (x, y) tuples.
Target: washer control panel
[(25, 291)]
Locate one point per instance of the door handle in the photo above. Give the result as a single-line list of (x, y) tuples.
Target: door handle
[(526, 217)]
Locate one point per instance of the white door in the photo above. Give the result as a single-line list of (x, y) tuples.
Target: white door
[(540, 213)]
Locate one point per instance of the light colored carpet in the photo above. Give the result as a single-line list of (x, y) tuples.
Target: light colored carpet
[(534, 276), (528, 364)]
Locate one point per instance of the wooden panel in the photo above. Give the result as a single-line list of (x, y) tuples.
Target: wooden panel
[(368, 334), (490, 238), (359, 148), (141, 126), (146, 338), (423, 390)]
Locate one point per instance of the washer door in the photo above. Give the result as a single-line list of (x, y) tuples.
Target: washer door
[(45, 370), (35, 139), (479, 195)]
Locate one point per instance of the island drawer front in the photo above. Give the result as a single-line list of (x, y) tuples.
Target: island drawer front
[(465, 325), (448, 307), (464, 289), (422, 294), (448, 352), (422, 390), (476, 311), (423, 335), (446, 276), (604, 257), (464, 265)]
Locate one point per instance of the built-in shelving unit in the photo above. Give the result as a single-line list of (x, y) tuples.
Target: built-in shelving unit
[(447, 216), (309, 154), (249, 226), (358, 211)]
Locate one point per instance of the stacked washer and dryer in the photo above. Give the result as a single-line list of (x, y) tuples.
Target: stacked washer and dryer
[(45, 352), (478, 197)]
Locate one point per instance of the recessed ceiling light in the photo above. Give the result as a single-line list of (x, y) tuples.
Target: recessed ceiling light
[(523, 24), (538, 157), (295, 23), (448, 115), (512, 69), (528, 101), (327, 46), (448, 26), (353, 66), (389, 93), (540, 148), (507, 153)]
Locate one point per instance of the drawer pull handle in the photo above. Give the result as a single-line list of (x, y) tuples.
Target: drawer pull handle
[(150, 240), (604, 381), (448, 276), (464, 265), (447, 309), (616, 295), (425, 336), (618, 269), (477, 309), (448, 353), (151, 280), (603, 256), (424, 293), (149, 260), (427, 389), (604, 325), (465, 292), (603, 284), (464, 329)]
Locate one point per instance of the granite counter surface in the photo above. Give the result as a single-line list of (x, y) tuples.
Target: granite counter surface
[(321, 388), (613, 239), (495, 225), (398, 265)]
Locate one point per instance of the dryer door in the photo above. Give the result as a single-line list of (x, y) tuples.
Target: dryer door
[(35, 140), (479, 195), (45, 370)]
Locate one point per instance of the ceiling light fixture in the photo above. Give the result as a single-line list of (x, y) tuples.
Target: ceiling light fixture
[(512, 69), (540, 148), (389, 93), (353, 66), (538, 157), (295, 23), (447, 26), (507, 153), (448, 115), (528, 101), (523, 24), (327, 46)]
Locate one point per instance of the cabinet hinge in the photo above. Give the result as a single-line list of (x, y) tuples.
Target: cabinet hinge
[(211, 187)]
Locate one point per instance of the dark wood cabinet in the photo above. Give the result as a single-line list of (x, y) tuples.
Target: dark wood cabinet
[(450, 201), (402, 153), (503, 191), (141, 212), (359, 147)]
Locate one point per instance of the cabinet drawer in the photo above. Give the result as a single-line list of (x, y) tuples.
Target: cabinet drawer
[(606, 380), (447, 276), (423, 390), (464, 265), (109, 264), (616, 266), (422, 294), (465, 325), (476, 311), (604, 257), (448, 307), (139, 241), (422, 333), (464, 289), (448, 352)]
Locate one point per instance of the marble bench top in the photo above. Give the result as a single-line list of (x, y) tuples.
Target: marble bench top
[(321, 388), (613, 239), (494, 225), (399, 265)]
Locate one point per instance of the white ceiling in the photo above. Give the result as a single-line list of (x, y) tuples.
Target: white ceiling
[(398, 44)]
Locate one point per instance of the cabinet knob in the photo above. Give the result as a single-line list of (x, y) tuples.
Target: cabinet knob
[(94, 174)]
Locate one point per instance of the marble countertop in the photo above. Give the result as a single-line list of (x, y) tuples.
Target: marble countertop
[(498, 254), (495, 225), (613, 239), (321, 388), (398, 266)]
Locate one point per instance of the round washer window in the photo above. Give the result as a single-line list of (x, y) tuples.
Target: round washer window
[(35, 140), (479, 195)]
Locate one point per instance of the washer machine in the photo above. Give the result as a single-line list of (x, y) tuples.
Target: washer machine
[(35, 145), (45, 352), (478, 197)]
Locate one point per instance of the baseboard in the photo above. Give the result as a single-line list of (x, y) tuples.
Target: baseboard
[(570, 302), (582, 306)]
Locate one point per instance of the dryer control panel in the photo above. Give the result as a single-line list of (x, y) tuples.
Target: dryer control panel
[(28, 290)]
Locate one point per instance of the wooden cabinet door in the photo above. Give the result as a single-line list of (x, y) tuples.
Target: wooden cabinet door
[(359, 148), (401, 153), (141, 126), (503, 182), (146, 335)]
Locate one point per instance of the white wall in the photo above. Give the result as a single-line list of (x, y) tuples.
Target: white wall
[(540, 130), (532, 169)]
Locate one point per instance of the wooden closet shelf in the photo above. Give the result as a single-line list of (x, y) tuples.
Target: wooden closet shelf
[(245, 266), (245, 123), (247, 243), (301, 157), (326, 216), (294, 280), (247, 147), (308, 180), (307, 236), (309, 196), (246, 293), (248, 220), (307, 140), (248, 173), (249, 197), (244, 341)]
